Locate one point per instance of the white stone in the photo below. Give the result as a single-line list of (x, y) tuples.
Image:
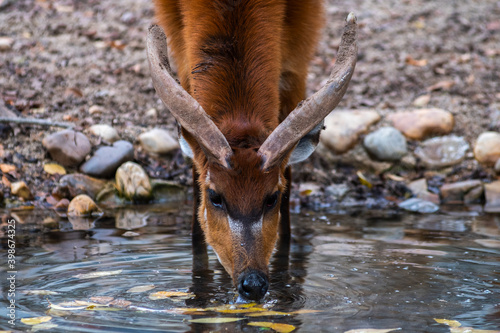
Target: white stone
[(158, 141), (106, 132)]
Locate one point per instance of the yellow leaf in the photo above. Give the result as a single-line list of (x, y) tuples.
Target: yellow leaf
[(268, 313), (140, 289), (167, 294), (94, 275), (215, 320), (36, 320), (53, 168), (451, 323), (282, 328), (249, 310), (363, 180)]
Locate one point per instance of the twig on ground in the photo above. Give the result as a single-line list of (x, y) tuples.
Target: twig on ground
[(31, 121)]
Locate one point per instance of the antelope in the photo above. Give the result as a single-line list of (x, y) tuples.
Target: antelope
[(242, 66)]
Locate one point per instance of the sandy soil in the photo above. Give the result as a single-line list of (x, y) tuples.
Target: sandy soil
[(68, 55)]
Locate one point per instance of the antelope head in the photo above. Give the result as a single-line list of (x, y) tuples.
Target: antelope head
[(241, 182)]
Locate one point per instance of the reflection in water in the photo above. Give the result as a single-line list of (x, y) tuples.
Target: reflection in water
[(357, 271)]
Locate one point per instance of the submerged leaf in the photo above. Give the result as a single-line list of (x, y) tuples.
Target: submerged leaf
[(141, 289), (215, 320), (268, 313), (363, 180), (36, 320), (278, 327), (248, 310), (451, 323), (94, 275), (167, 294), (304, 311)]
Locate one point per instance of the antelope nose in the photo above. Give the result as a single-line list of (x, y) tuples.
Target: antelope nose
[(253, 285)]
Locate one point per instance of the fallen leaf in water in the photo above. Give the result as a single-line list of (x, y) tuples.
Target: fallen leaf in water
[(215, 320), (268, 313), (120, 303), (373, 330), (442, 85), (414, 62), (248, 310), (363, 180), (278, 327), (101, 308), (39, 292), (141, 289), (451, 323), (66, 308), (167, 294), (53, 168), (36, 320), (94, 275)]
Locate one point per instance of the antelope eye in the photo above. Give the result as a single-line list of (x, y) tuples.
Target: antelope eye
[(272, 200), (215, 199)]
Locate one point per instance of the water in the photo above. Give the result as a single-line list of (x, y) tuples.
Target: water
[(371, 270)]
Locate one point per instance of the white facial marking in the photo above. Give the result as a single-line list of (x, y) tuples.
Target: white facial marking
[(237, 227), (186, 149)]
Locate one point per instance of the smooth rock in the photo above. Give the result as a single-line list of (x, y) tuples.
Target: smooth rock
[(386, 144), (418, 124), (337, 191), (106, 132), (487, 148), (492, 197), (107, 159), (6, 43), (152, 113), (75, 184), (419, 206), (467, 191), (67, 147), (158, 141), (343, 128), (21, 190), (83, 205), (497, 167), (419, 189), (441, 152), (96, 110), (132, 182)]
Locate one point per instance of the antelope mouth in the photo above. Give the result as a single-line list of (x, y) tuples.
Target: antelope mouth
[(252, 285)]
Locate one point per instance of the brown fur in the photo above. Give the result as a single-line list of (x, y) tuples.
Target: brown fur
[(245, 62)]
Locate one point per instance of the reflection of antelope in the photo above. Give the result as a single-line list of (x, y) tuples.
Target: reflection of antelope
[(242, 65)]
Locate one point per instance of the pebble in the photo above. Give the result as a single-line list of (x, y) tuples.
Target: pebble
[(132, 182), (419, 189), (419, 206), (74, 184), (158, 141), (151, 113), (442, 151), (343, 128), (96, 110), (106, 132), (487, 148), (497, 167), (418, 124), (107, 159), (386, 144), (67, 147), (6, 43), (467, 191), (83, 205), (337, 191), (492, 196), (21, 190)]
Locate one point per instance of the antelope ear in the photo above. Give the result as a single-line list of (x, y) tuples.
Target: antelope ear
[(306, 145)]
